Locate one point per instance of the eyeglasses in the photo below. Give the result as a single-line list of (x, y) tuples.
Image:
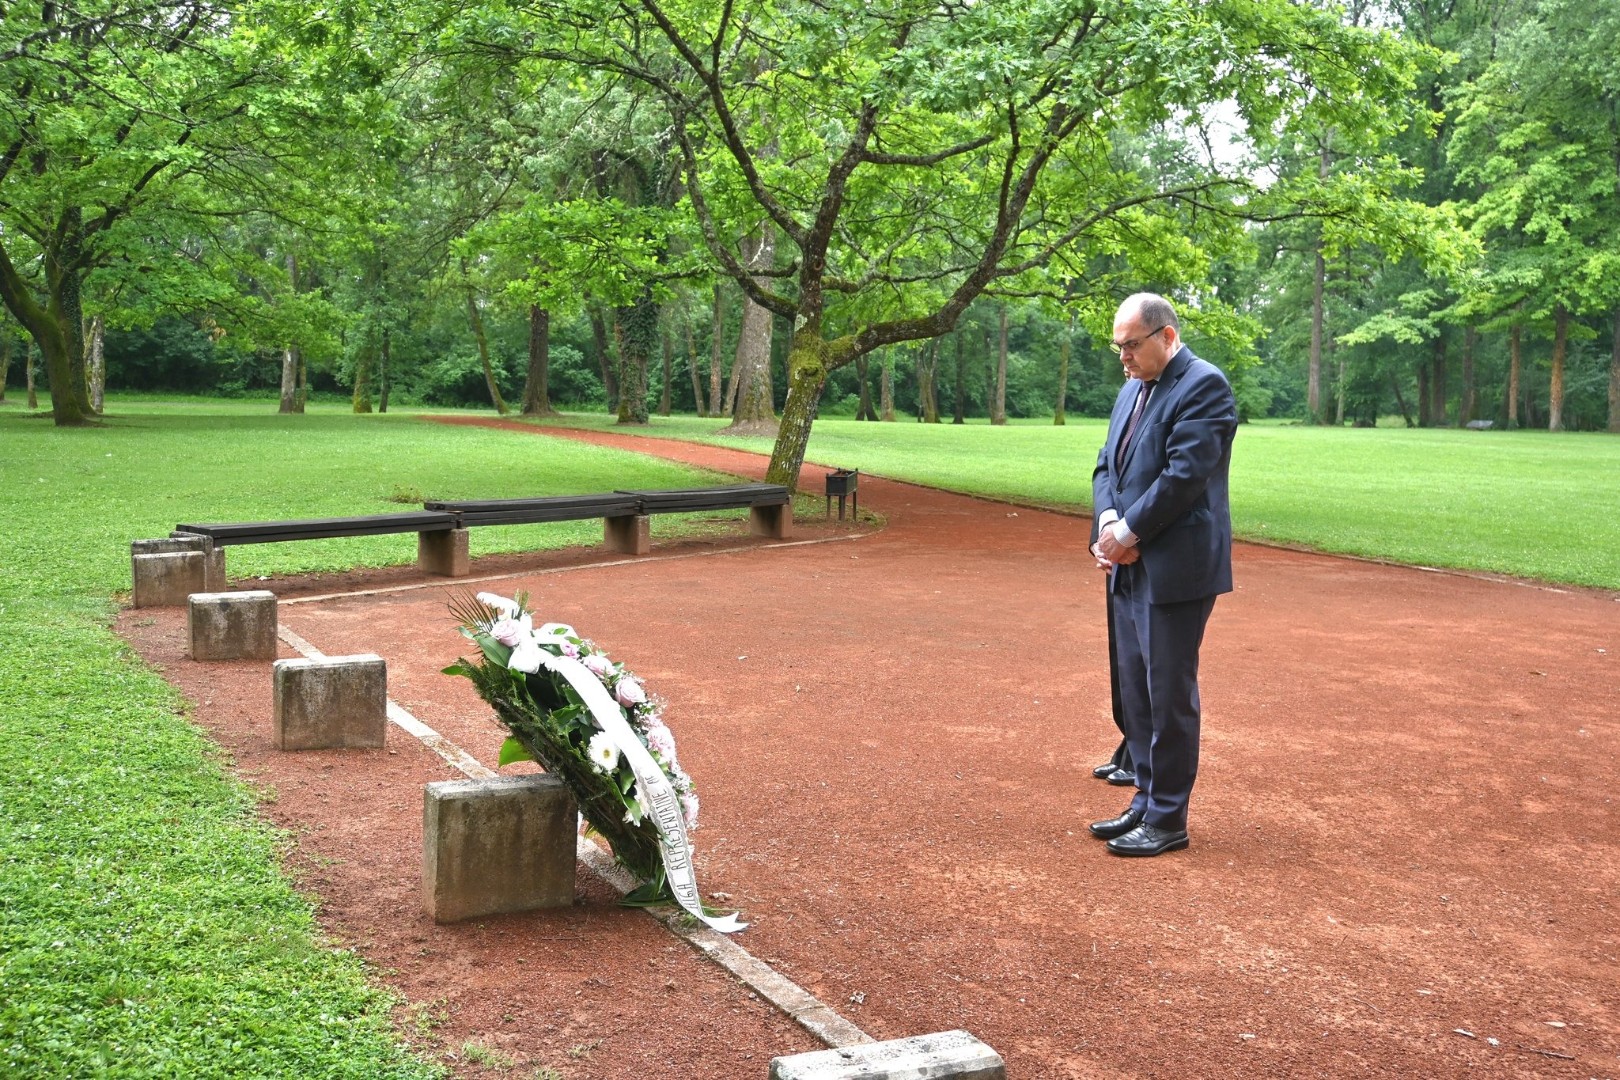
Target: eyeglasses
[(1134, 343)]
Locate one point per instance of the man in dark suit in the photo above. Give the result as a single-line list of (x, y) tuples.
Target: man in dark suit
[(1164, 533)]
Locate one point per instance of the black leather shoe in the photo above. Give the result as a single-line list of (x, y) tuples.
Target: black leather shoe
[(1148, 839), (1103, 771), (1118, 826), (1122, 778)]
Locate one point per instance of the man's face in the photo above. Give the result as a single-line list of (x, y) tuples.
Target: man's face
[(1145, 349)]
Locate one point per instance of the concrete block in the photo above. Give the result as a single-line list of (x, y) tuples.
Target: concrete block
[(496, 845), (166, 578), (443, 553), (944, 1055), (330, 703), (772, 521), (213, 561), (232, 626), (630, 534)]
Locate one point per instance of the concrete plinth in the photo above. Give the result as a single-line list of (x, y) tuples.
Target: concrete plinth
[(630, 534), (773, 521), (232, 626), (443, 553), (497, 845), (333, 702), (944, 1055), (213, 556), (167, 578)]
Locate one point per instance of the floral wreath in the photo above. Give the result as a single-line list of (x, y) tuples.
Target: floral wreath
[(552, 722)]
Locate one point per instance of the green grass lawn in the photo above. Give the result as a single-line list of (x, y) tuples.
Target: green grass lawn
[(1524, 503), (145, 926)]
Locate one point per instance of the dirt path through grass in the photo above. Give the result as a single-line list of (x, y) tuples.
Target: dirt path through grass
[(1405, 853)]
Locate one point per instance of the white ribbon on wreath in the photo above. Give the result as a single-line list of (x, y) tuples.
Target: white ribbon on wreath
[(656, 791)]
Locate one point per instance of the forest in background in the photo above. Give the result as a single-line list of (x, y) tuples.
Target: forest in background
[(774, 209)]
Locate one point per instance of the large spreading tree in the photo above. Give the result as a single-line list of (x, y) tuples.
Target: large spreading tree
[(915, 155), (130, 128)]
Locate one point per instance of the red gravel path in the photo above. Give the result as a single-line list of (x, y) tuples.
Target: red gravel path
[(1405, 857)]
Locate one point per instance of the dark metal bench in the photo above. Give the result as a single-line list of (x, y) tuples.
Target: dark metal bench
[(441, 527), (624, 513), (268, 532), (470, 512)]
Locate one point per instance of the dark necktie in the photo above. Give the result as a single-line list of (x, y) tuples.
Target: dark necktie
[(1130, 425)]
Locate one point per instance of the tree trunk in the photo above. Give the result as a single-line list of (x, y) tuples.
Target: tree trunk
[(303, 382), (98, 364), (807, 377), (68, 289), (1064, 351), (1425, 416), (692, 367), (1555, 388), (751, 369), (537, 384), (1614, 376), (635, 330), (998, 403), (1314, 409), (28, 366), (717, 341), (1513, 377), (8, 344), (363, 362), (1437, 384), (610, 381), (1466, 410), (1400, 399), (862, 370), (886, 390), (669, 372), (1338, 411), (290, 357), (959, 413), (385, 357), (927, 364), (289, 380), (476, 319)]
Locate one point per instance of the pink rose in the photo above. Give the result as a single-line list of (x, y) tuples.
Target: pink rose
[(599, 664), (506, 631), (661, 741), (629, 692)]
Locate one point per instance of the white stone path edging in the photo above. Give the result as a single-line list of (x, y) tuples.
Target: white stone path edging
[(803, 1007)]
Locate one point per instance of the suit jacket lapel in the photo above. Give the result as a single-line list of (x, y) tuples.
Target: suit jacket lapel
[(1172, 373)]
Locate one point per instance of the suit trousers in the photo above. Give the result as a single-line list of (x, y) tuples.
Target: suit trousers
[(1157, 659)]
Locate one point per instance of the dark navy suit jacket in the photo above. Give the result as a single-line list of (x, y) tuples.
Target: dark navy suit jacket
[(1172, 487)]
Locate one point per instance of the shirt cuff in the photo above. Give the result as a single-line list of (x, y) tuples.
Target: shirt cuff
[(1122, 532)]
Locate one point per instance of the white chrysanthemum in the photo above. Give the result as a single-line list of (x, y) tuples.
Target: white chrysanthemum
[(603, 754)]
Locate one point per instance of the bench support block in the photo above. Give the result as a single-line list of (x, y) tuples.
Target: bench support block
[(333, 702), (232, 626), (497, 845), (443, 553), (630, 535), (773, 521), (166, 582), (944, 1055)]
